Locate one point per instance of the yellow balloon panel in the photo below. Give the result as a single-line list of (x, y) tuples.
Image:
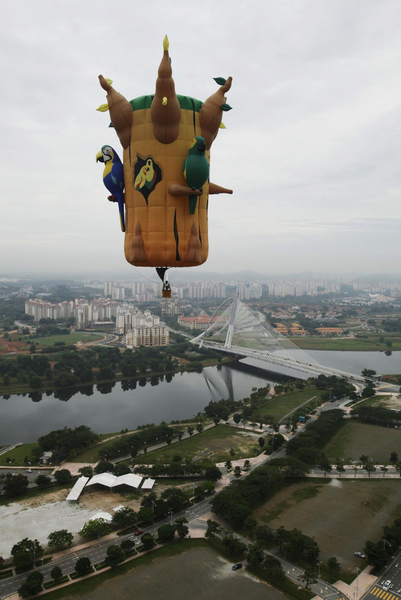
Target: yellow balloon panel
[(160, 231)]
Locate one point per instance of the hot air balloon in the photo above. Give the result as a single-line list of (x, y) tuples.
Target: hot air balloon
[(166, 158)]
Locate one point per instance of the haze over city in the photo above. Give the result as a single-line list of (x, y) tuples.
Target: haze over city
[(311, 148)]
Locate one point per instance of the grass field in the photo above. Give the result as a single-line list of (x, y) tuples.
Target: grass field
[(371, 342), (282, 405), (91, 455), (181, 570), (72, 338), (354, 439), (340, 515), (374, 401), (17, 455), (213, 444)]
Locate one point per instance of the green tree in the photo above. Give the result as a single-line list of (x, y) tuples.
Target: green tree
[(228, 465), (370, 469), (308, 578), (125, 517), (334, 568), (255, 555), (32, 585), (148, 541), (60, 539), (237, 418), (181, 527), (56, 573), (199, 427), (325, 464), (394, 457), (42, 481), (273, 568), (250, 524), (261, 441), (145, 515), (212, 473), (95, 528), (127, 546), (63, 476), (377, 554), (213, 527), (340, 466), (83, 566), (237, 471), (265, 536), (190, 430), (234, 546), (25, 552), (115, 556), (15, 485), (165, 533)]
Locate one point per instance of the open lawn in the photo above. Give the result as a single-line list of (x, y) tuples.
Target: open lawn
[(91, 455), (181, 570), (213, 444), (340, 515), (282, 405), (72, 338), (17, 455), (354, 439), (371, 342)]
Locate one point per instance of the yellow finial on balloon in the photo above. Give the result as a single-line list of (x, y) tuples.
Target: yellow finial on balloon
[(109, 81), (222, 126), (166, 43), (164, 101), (103, 108)]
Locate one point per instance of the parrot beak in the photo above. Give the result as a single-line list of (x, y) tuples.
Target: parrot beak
[(201, 146), (99, 156)]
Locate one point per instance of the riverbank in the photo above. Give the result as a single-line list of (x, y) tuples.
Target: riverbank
[(20, 388), (368, 343)]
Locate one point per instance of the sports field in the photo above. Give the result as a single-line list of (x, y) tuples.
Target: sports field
[(340, 515), (354, 439)]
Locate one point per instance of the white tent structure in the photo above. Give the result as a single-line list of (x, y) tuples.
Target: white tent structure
[(128, 479), (111, 481), (102, 515), (77, 489), (106, 479), (148, 484)]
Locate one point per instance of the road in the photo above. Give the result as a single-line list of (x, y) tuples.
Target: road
[(391, 591)]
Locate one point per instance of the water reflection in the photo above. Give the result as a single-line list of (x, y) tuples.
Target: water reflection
[(111, 407)]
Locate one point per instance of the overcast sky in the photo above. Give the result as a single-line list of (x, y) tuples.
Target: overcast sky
[(311, 149)]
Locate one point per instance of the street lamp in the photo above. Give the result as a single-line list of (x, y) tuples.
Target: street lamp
[(318, 564), (170, 512)]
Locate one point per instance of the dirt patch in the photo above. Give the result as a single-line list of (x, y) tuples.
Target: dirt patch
[(198, 573), (341, 516)]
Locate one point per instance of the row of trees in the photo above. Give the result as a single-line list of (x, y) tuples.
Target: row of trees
[(307, 446), (235, 503), (73, 368), (376, 415)]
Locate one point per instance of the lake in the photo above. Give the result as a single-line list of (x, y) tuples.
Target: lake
[(108, 408)]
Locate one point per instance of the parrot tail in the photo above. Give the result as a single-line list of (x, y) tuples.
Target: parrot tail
[(192, 204)]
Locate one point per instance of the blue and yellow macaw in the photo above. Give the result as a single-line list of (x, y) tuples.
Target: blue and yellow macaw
[(113, 178)]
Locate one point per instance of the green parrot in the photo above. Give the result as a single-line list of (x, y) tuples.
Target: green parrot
[(196, 169)]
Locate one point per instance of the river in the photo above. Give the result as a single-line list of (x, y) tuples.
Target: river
[(108, 408)]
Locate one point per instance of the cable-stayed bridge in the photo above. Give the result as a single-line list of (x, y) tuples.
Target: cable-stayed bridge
[(238, 330)]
